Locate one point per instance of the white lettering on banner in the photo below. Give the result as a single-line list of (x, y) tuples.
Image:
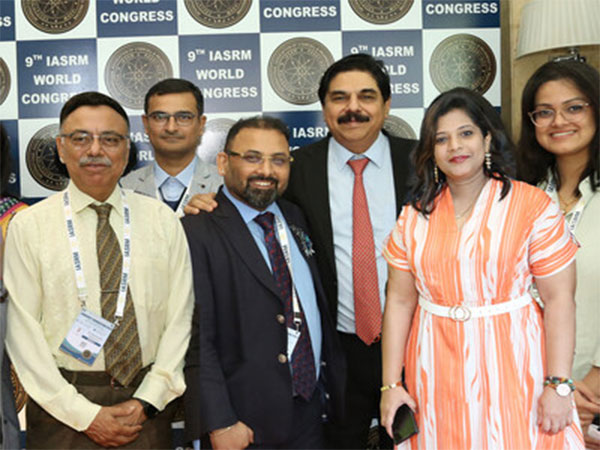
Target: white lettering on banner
[(230, 55), (145, 155), (299, 12), (137, 16), (461, 8), (393, 50), (53, 79), (129, 2), (309, 132), (405, 88), (398, 69), (230, 92), (46, 98), (138, 136), (67, 60), (5, 21), (220, 74)]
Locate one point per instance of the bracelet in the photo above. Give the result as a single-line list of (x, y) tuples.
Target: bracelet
[(390, 386), (218, 433), (555, 381)]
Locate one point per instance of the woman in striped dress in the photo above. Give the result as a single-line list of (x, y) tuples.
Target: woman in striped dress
[(459, 317)]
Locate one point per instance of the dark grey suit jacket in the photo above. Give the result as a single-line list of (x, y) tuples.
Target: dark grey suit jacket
[(233, 367), (308, 189)]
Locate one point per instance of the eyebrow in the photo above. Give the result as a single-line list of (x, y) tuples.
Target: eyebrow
[(362, 91), (462, 127), (562, 103)]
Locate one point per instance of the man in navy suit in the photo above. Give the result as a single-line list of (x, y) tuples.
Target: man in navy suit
[(264, 367)]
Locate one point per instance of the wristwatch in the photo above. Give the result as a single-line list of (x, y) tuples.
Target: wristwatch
[(562, 386), (149, 409)]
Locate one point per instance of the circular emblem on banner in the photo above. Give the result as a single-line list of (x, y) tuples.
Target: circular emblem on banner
[(381, 11), (133, 69), (295, 69), (4, 81), (213, 139), (218, 14), (462, 60), (54, 16), (41, 159), (398, 127)]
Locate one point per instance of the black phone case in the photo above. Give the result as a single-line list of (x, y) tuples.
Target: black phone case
[(404, 425)]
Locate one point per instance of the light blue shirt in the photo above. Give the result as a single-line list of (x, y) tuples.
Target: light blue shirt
[(378, 179), (302, 278), (171, 187)]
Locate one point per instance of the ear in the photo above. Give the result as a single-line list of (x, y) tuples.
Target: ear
[(387, 105), (488, 141), (60, 148), (202, 123), (145, 121), (222, 163)]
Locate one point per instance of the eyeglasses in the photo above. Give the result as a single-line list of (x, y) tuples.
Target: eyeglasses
[(572, 112), (82, 140), (182, 118), (256, 158)]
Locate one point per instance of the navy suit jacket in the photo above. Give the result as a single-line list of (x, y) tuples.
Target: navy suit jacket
[(233, 366)]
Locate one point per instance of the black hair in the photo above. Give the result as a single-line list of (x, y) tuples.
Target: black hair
[(258, 122), (423, 188), (534, 161), (175, 86), (360, 62)]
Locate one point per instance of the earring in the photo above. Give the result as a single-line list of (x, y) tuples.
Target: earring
[(436, 174), (488, 160)]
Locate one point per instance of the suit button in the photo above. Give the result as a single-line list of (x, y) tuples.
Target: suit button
[(282, 358), (281, 318)]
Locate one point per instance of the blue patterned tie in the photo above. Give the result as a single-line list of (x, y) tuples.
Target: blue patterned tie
[(303, 361)]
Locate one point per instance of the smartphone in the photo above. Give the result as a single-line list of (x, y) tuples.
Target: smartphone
[(404, 425)]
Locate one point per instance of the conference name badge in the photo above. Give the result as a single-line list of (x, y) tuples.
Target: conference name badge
[(86, 337)]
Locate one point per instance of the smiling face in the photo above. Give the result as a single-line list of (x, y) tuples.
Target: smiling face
[(171, 140), (258, 185), (563, 137), (460, 147), (94, 170), (354, 110)]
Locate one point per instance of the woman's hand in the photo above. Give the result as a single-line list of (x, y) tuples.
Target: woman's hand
[(391, 400), (554, 412)]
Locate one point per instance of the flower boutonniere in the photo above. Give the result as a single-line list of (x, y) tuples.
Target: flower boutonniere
[(305, 242)]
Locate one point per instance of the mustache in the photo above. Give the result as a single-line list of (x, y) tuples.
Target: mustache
[(352, 116), (96, 160), (168, 134)]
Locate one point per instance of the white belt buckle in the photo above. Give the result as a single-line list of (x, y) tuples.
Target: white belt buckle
[(459, 313)]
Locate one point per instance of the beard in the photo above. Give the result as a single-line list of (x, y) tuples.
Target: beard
[(260, 198)]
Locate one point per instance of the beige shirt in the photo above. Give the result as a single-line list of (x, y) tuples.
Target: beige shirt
[(40, 276)]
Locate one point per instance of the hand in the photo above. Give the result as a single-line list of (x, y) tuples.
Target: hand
[(107, 430), (554, 412), (239, 436), (590, 442), (137, 415), (201, 202), (391, 400), (587, 403)]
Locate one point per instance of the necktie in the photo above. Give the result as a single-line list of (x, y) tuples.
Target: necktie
[(367, 308), (303, 362), (122, 352)]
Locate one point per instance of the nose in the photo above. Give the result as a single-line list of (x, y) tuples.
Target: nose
[(353, 103), (453, 142), (559, 118), (171, 124), (95, 147), (265, 167)]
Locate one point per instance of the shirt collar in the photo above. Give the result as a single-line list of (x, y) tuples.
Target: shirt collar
[(247, 212), (81, 200), (184, 177), (375, 153)]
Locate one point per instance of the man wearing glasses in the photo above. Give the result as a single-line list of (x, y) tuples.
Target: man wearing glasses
[(101, 296), (174, 122), (262, 343)]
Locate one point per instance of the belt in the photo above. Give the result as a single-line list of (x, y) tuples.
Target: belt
[(93, 378), (462, 313)]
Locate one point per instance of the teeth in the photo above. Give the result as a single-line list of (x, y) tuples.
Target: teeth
[(564, 133)]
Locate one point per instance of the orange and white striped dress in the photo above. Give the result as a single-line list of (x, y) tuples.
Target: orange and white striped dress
[(477, 383)]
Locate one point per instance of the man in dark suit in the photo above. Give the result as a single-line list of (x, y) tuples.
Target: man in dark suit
[(349, 217), (264, 356)]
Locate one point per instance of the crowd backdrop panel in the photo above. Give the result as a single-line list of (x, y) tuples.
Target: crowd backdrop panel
[(247, 56)]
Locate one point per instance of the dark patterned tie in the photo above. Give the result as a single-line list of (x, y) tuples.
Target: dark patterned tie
[(122, 352), (303, 361)]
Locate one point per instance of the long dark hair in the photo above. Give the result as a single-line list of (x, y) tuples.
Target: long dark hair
[(424, 189), (533, 160)]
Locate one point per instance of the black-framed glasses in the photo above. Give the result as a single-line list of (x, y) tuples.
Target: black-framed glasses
[(571, 112), (182, 118), (82, 140), (255, 158)]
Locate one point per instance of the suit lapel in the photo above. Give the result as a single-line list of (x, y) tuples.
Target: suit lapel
[(147, 186), (227, 217)]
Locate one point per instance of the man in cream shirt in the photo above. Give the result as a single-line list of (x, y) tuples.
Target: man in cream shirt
[(64, 253)]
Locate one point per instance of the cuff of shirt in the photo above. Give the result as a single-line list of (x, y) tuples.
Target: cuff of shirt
[(158, 390)]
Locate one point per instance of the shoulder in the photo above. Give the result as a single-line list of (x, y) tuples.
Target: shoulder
[(309, 151), (151, 214), (50, 206), (401, 144), (529, 191), (134, 176)]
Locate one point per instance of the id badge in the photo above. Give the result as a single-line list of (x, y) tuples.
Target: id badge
[(86, 337), (293, 336)]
